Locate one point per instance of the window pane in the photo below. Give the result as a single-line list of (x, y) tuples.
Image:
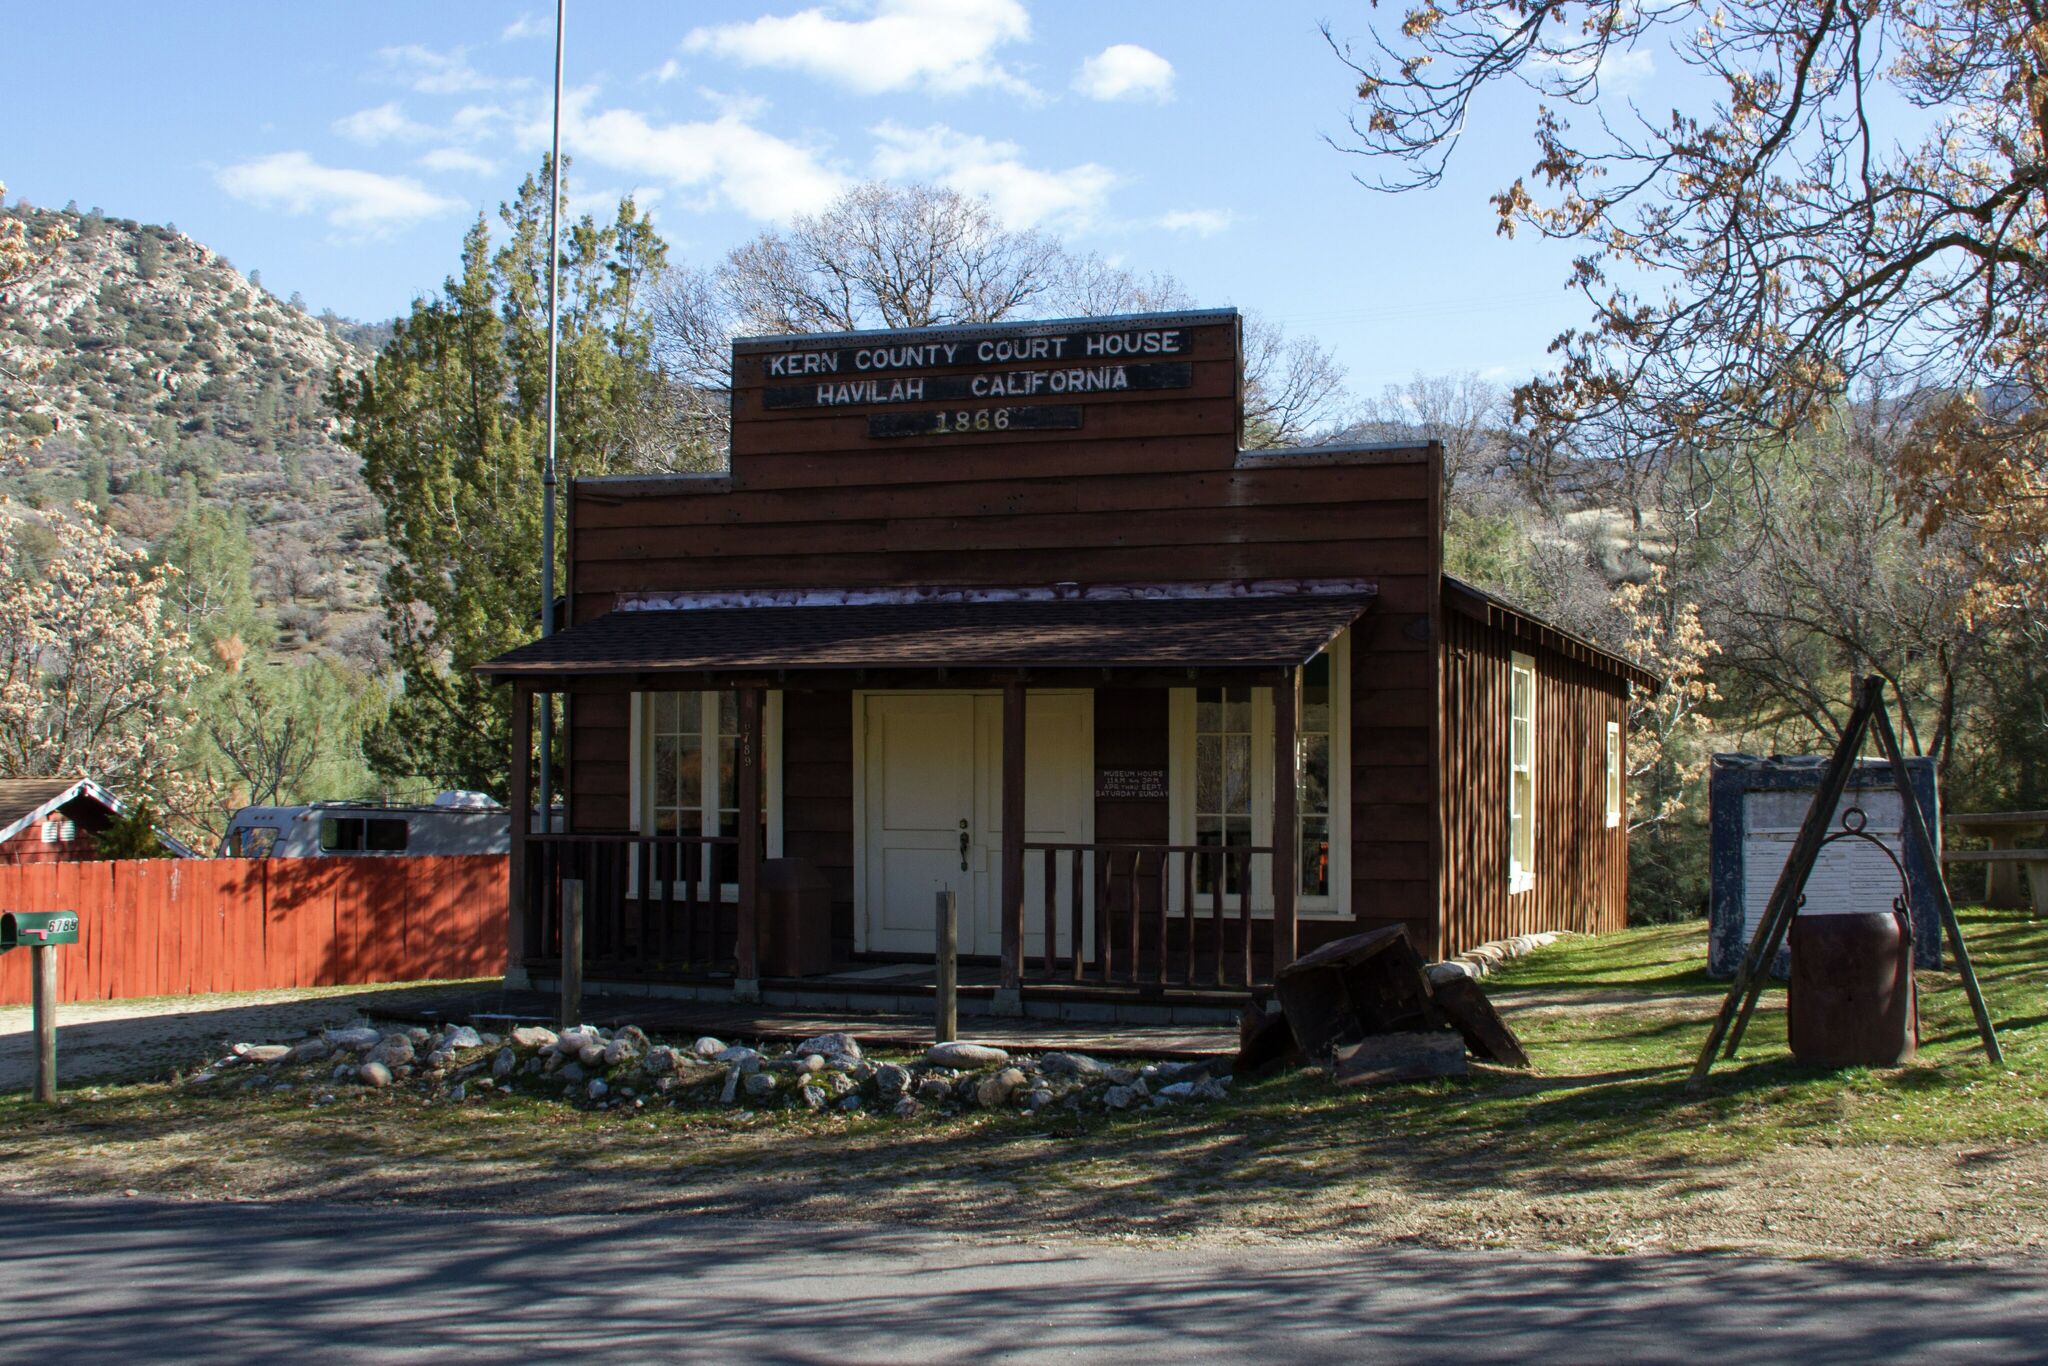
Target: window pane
[(1237, 710), (1315, 694), (688, 711), (666, 782), (689, 771), (1237, 773), (1208, 710), (1312, 792), (728, 774), (728, 713), (1315, 856), (1208, 773)]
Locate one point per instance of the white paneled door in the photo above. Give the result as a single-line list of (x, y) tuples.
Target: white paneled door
[(932, 786)]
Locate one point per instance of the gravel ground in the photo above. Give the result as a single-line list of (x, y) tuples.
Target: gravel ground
[(141, 1040)]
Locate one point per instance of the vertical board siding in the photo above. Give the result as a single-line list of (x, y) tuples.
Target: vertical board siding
[(175, 927), (1581, 866), (817, 795)]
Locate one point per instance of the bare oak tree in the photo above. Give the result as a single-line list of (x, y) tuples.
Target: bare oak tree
[(1860, 187), (888, 256)]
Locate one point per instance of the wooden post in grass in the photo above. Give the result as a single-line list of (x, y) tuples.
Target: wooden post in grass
[(572, 951), (946, 1027), (45, 999)]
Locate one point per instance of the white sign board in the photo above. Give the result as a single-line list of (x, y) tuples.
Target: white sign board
[(1850, 876)]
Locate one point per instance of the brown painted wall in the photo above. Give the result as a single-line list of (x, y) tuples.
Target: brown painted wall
[(1581, 865)]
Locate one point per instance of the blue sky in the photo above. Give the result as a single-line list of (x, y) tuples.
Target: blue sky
[(341, 149)]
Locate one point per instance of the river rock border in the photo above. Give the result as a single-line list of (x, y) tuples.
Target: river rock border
[(593, 1068), (1481, 960)]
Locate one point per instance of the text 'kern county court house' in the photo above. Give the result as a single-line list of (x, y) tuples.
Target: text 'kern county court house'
[(1006, 610)]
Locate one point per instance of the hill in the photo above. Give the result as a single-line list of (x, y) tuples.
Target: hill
[(168, 382)]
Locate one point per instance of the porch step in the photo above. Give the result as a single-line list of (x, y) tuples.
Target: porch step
[(1057, 1002), (674, 1017)]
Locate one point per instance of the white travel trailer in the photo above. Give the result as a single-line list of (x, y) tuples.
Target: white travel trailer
[(456, 823)]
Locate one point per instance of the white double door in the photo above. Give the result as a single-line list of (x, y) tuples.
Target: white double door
[(932, 783)]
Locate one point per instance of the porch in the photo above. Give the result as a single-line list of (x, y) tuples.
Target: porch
[(1072, 926)]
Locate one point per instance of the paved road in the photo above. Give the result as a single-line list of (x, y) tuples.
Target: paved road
[(134, 1280)]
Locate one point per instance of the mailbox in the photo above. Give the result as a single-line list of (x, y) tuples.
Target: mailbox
[(36, 929)]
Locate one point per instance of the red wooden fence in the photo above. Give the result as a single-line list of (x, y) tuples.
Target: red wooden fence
[(171, 927)]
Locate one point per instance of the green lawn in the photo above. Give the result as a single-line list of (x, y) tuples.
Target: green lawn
[(1600, 1145)]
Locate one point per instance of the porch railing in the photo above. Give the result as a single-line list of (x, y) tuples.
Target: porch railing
[(651, 903), (1151, 929)]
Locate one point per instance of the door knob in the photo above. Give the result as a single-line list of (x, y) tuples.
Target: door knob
[(966, 842)]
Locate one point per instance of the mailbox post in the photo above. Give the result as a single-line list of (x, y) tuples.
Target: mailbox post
[(41, 932)]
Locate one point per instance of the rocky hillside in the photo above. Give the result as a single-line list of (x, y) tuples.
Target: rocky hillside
[(163, 379)]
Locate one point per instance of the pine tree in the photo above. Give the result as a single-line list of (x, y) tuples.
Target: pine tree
[(450, 424)]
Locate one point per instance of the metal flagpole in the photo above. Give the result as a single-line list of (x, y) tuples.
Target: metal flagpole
[(547, 478)]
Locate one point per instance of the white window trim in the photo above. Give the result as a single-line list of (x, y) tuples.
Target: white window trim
[(640, 770), (1180, 805), (1612, 778), (1522, 878)]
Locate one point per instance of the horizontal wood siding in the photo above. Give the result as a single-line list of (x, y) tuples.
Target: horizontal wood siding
[(1581, 873)]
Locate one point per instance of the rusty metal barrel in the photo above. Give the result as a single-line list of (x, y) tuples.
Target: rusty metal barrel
[(1850, 1001)]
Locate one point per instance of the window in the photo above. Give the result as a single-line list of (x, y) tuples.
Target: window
[(686, 759), (361, 835), (1312, 782), (258, 841), (1613, 774), (1522, 774), (1221, 784), (1223, 779)]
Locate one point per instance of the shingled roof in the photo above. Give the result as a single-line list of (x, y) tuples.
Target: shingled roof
[(24, 801), (1247, 632)]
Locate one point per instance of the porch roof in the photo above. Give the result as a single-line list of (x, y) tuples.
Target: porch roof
[(1246, 632)]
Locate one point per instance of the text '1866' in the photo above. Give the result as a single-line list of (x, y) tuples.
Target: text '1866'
[(973, 421)]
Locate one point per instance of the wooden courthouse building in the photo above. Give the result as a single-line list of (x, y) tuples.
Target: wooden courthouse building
[(1008, 611)]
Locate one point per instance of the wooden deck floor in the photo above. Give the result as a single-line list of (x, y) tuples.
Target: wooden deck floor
[(678, 1019)]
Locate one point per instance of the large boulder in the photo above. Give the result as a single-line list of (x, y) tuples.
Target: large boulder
[(891, 1080), (459, 1036), (1069, 1065), (970, 1056), (355, 1039), (835, 1044), (394, 1051), (374, 1073), (708, 1047), (532, 1036)]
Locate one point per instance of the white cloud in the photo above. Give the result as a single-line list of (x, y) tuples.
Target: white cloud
[(440, 73), (456, 159), (360, 201), (944, 46), (725, 160), (525, 26), (385, 123), (668, 71), (1022, 196), (1197, 222), (390, 123), (1126, 71)]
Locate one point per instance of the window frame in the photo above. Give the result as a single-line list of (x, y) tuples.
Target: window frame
[(640, 775), (1181, 795), (1614, 784), (1521, 812)]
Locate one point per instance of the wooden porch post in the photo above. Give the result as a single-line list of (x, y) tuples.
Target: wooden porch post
[(516, 910), (1286, 840), (747, 945), (1010, 999)]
